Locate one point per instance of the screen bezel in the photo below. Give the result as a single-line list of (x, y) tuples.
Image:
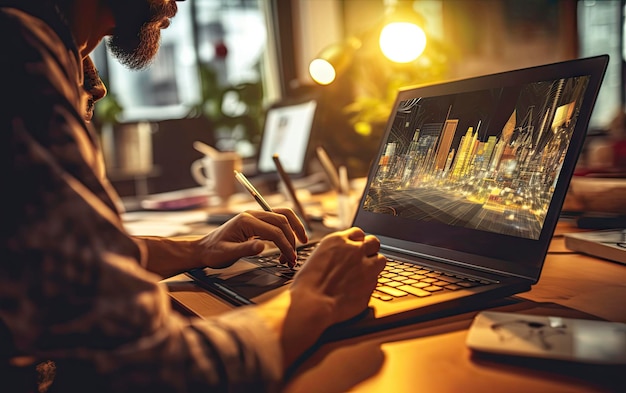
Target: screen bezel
[(491, 251)]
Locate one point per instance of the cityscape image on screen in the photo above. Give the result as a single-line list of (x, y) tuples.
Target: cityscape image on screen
[(487, 159)]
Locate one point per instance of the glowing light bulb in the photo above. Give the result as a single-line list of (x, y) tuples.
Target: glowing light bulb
[(402, 42), (322, 71)]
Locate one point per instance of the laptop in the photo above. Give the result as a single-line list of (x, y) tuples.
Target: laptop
[(464, 194)]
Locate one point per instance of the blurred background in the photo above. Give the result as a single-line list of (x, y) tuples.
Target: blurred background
[(222, 63)]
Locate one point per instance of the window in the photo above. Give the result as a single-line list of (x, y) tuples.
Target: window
[(600, 29), (228, 37)]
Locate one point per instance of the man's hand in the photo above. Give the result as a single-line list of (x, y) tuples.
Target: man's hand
[(343, 270), (242, 236), (335, 284)]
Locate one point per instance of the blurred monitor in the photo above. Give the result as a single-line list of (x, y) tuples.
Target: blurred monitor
[(286, 132)]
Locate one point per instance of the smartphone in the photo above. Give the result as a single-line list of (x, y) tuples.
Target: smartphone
[(547, 337)]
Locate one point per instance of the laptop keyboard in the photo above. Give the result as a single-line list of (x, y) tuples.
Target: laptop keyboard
[(397, 280), (272, 261)]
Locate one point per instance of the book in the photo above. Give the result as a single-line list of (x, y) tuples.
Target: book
[(606, 244)]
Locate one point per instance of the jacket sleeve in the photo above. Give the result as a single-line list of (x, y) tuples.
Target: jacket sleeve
[(72, 286)]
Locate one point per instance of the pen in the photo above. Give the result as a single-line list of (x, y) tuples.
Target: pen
[(292, 192), (241, 178)]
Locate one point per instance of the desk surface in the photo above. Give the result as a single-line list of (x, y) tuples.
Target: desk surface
[(432, 356)]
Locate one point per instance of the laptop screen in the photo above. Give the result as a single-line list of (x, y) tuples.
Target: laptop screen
[(286, 131), (481, 166)]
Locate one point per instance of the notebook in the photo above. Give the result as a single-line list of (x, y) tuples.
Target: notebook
[(469, 182), (607, 244)]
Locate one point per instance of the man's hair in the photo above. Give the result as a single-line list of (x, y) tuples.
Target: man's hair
[(33, 5), (53, 12)]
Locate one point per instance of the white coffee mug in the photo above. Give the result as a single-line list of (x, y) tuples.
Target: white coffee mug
[(216, 173)]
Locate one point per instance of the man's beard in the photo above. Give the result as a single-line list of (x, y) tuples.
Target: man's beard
[(135, 52), (137, 35)]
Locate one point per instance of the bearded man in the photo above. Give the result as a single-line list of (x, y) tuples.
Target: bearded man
[(80, 299)]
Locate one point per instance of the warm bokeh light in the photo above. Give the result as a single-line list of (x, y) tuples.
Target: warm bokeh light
[(402, 42), (322, 71), (363, 128), (333, 60)]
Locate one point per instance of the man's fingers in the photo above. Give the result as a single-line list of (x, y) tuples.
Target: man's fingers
[(295, 223), (355, 234), (272, 226), (276, 228), (371, 245)]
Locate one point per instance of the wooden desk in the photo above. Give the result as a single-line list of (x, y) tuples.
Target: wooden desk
[(432, 356)]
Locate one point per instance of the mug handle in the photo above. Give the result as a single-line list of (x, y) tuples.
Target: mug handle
[(198, 173)]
